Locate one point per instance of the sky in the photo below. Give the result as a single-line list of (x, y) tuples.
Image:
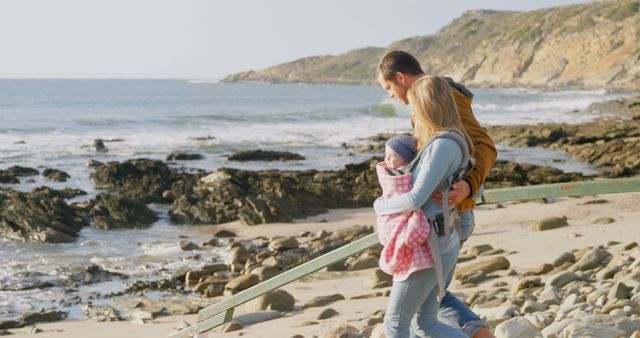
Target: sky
[(207, 39)]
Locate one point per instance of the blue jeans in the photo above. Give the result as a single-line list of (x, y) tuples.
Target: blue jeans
[(413, 303), (452, 310)]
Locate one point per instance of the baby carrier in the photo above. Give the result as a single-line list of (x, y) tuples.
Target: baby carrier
[(461, 173)]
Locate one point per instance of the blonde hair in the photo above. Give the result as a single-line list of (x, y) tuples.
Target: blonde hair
[(434, 109)]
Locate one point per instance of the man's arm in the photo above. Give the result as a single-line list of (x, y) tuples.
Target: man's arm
[(485, 150)]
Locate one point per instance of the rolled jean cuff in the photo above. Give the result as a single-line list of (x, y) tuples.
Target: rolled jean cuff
[(472, 327)]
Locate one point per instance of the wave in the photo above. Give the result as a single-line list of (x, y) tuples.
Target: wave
[(203, 81), (386, 109)]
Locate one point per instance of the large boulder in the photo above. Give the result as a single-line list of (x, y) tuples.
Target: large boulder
[(41, 215)]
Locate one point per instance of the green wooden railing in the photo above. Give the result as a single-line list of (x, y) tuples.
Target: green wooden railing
[(222, 312)]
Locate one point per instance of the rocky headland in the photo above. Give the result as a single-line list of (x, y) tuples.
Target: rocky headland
[(584, 46)]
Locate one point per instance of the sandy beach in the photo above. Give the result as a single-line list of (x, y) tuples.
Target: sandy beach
[(506, 228)]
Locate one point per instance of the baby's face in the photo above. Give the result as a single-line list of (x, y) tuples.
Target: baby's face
[(391, 159)]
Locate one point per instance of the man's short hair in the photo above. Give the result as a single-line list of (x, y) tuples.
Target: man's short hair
[(398, 61)]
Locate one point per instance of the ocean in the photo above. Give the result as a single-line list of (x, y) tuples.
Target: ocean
[(53, 124)]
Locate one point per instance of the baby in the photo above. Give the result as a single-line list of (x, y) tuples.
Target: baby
[(398, 153), (403, 235)]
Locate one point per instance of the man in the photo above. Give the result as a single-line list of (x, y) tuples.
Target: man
[(397, 71)]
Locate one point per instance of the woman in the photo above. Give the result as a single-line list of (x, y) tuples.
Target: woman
[(413, 302)]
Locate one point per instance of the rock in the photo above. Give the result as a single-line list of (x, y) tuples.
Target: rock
[(43, 317), (39, 216), (323, 300), (363, 263), (99, 146), (55, 175), (486, 266), (117, 212), (238, 254), (188, 246), (532, 306), (265, 155), (282, 244), (265, 272), (102, 313), (144, 180), (517, 327), (525, 283), (542, 269), (279, 300), (591, 260), (604, 220), (19, 171), (619, 291), (497, 314), (257, 197), (342, 331), (561, 279), (378, 332), (224, 234), (5, 333), (240, 283), (581, 329), (92, 164), (563, 258), (327, 313), (378, 279), (10, 324), (180, 156), (476, 250), (549, 296), (607, 273), (550, 223)]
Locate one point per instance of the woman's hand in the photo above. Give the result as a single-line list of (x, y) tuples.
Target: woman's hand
[(459, 191)]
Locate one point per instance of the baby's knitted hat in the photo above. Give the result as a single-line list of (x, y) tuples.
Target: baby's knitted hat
[(404, 145)]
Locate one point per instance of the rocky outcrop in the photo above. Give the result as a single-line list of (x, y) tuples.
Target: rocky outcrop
[(587, 46), (117, 212), (55, 175), (265, 155), (611, 146), (144, 180), (509, 174), (256, 197), (38, 216)]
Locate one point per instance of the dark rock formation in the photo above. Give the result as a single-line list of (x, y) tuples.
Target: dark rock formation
[(265, 155), (144, 180), (508, 174), (98, 144), (11, 174), (39, 216), (612, 146), (117, 212), (55, 175), (256, 197), (180, 156)]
